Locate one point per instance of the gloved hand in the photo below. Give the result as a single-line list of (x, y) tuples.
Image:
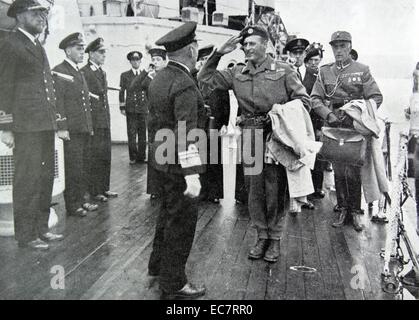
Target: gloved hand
[(332, 120)]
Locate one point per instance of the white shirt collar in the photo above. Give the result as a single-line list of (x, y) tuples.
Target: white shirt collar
[(71, 63), (96, 67), (136, 70), (186, 67), (27, 34), (303, 70)]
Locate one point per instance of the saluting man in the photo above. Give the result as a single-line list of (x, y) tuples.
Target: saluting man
[(339, 83), (73, 97), (258, 86), (100, 150), (133, 104), (174, 102), (29, 121)]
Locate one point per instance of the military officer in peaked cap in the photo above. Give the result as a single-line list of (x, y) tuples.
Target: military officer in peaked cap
[(339, 83), (100, 149), (159, 61), (133, 104), (258, 86), (73, 97), (29, 118), (296, 51), (174, 104)]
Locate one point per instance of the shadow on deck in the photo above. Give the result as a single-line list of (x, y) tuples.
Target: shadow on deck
[(105, 255)]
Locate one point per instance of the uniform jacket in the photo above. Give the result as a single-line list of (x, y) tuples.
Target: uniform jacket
[(174, 98), (27, 98), (336, 86), (308, 82), (98, 87), (133, 99), (309, 79), (257, 90), (73, 98)]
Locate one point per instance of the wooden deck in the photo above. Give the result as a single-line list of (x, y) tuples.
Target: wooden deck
[(105, 255)]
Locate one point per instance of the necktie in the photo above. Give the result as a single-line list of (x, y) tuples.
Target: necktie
[(299, 74)]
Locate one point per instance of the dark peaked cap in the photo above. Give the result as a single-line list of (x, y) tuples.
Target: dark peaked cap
[(296, 44), (134, 54), (179, 38), (73, 39), (205, 51), (157, 52), (95, 45), (20, 6)]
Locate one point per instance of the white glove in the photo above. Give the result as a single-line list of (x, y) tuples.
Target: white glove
[(193, 186), (8, 139)]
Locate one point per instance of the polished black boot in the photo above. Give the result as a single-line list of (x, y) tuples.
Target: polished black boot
[(259, 249)]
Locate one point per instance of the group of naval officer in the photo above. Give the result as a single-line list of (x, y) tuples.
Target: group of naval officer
[(175, 94), (35, 103)]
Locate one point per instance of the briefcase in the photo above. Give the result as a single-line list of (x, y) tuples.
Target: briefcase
[(341, 145)]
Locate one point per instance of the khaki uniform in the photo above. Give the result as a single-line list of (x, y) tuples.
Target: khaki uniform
[(257, 90), (335, 86)]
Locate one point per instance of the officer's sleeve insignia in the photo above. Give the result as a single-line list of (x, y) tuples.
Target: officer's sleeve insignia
[(5, 118), (190, 158), (63, 76)]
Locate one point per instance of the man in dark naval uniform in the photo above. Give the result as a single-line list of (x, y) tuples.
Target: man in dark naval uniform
[(100, 150), (29, 119), (133, 105), (159, 61), (339, 83), (73, 97), (175, 101), (312, 60), (258, 86), (218, 114)]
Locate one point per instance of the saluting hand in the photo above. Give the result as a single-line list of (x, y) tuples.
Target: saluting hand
[(8, 139), (193, 186), (230, 45), (63, 135)]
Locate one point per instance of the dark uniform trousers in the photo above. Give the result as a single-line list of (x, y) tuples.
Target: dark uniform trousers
[(175, 230), (76, 158), (100, 161), (33, 183), (348, 186), (137, 135)]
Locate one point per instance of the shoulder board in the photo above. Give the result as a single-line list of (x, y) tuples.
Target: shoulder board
[(327, 65)]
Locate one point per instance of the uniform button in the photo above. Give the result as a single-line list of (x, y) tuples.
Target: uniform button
[(43, 163), (46, 90), (85, 110), (48, 98)]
